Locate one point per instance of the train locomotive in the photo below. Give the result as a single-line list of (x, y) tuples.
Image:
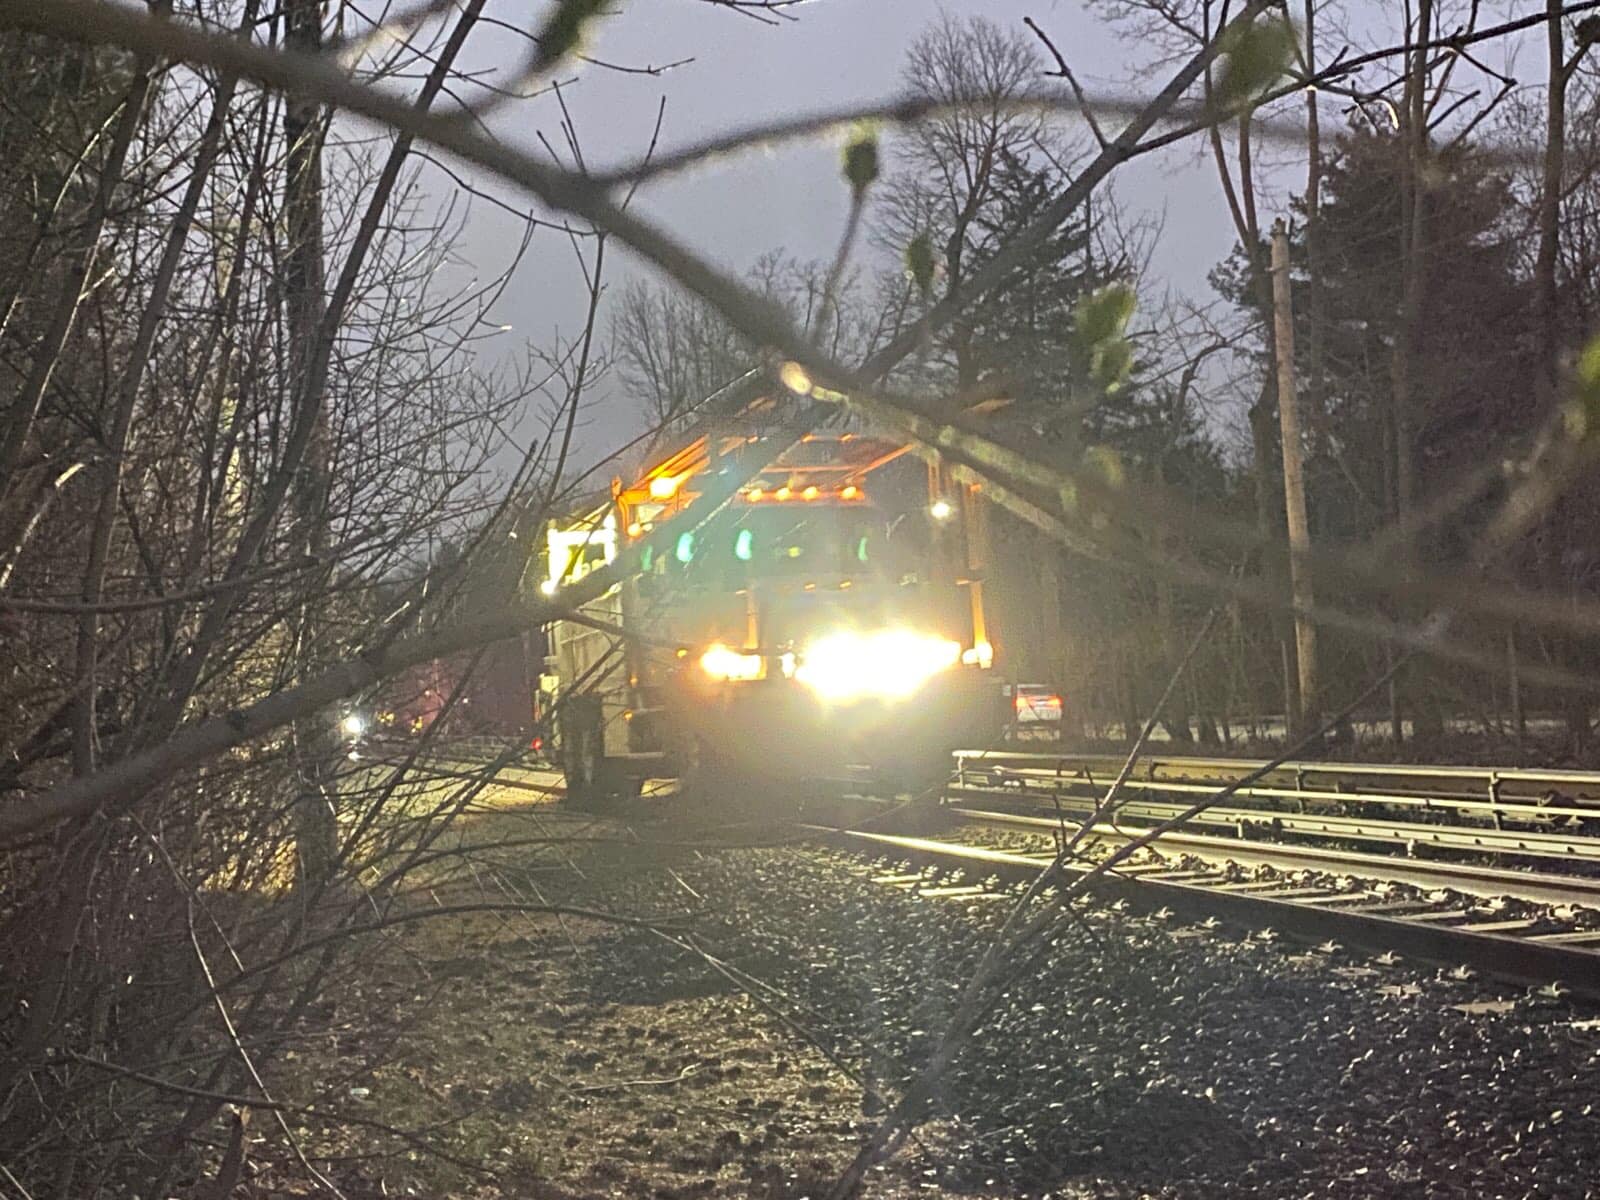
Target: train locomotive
[(830, 615)]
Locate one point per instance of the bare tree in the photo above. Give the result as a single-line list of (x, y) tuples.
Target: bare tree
[(673, 350), (947, 170)]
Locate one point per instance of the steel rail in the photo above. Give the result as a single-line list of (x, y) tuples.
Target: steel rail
[(1415, 929), (1407, 835), (1466, 878)]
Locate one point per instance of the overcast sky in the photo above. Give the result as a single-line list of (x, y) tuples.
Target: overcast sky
[(744, 70)]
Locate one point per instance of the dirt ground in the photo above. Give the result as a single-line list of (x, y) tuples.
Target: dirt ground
[(517, 1055), (509, 1055)]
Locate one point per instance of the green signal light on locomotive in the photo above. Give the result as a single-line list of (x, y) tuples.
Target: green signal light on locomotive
[(685, 549), (744, 545)]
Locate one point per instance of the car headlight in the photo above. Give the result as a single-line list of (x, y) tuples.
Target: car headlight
[(890, 663), (719, 662)]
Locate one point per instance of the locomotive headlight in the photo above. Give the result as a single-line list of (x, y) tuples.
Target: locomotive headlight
[(719, 662), (890, 663)]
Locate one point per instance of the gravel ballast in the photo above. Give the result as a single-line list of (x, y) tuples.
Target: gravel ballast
[(1143, 1057)]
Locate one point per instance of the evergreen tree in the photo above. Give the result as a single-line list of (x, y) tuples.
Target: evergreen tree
[(1473, 397), (1021, 333)]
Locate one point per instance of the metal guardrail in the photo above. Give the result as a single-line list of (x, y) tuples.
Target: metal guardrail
[(1436, 834), (1150, 766), (1499, 810)]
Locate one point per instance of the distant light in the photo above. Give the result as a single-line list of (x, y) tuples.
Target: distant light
[(744, 545), (795, 378), (782, 493), (685, 548), (665, 487), (850, 493), (981, 655), (810, 493), (941, 510), (548, 587), (635, 529), (756, 493), (354, 725)]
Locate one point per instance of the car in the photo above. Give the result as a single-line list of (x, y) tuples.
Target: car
[(1037, 711)]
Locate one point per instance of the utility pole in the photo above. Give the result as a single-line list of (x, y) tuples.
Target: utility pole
[(1294, 478)]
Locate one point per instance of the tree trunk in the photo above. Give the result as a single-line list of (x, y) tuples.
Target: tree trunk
[(1176, 718), (1304, 716), (1546, 313), (129, 385), (1273, 563), (1548, 323), (1519, 720), (1403, 377), (1316, 316), (305, 297), (24, 406)]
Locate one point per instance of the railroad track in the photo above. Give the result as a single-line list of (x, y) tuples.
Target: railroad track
[(1539, 926), (1438, 886), (1574, 849), (1548, 948)]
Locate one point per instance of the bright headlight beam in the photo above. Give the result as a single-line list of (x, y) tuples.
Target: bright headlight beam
[(890, 663)]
